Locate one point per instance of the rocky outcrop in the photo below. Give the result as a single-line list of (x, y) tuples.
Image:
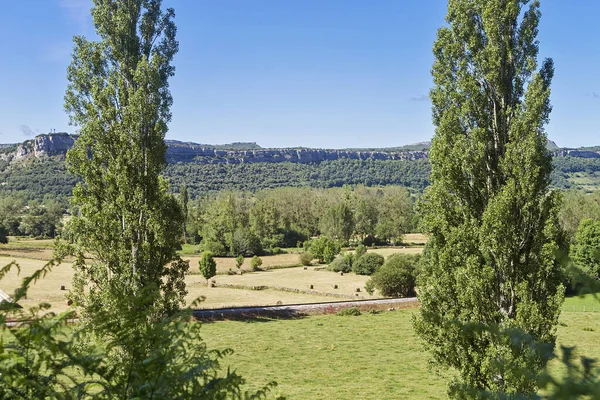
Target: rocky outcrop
[(207, 155), (54, 144), (576, 153), (57, 144)]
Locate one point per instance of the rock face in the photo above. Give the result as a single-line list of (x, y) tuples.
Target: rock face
[(57, 144), (190, 152), (44, 146), (576, 153)]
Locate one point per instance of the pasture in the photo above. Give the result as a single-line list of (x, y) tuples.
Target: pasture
[(371, 356), (284, 283), (374, 355)]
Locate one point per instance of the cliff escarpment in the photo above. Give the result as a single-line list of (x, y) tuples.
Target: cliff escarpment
[(57, 144)]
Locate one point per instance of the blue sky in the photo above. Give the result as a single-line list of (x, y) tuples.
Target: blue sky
[(314, 73)]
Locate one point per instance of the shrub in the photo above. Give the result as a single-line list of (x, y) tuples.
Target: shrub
[(255, 263), (207, 265), (396, 278), (216, 248), (368, 263), (324, 249), (239, 260), (305, 258), (360, 250), (352, 311), (343, 263)]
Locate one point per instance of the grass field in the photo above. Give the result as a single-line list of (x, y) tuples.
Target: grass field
[(587, 303), (371, 356), (363, 357), (48, 290)]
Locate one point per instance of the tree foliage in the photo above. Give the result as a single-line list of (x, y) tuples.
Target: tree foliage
[(324, 249), (118, 94), (368, 264), (396, 277), (585, 251), (207, 265), (492, 222)]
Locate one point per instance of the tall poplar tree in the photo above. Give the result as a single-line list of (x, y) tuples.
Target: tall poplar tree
[(127, 227), (491, 264)]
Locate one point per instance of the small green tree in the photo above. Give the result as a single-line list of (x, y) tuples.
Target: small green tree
[(324, 249), (207, 265), (396, 277), (586, 249), (239, 260), (255, 263)]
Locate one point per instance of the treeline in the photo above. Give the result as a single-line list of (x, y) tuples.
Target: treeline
[(22, 217), (37, 178), (241, 223), (203, 178)]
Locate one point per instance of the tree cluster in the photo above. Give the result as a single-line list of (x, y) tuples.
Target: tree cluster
[(234, 223), (38, 219)]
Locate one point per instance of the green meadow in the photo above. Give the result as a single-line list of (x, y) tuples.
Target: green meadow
[(370, 356)]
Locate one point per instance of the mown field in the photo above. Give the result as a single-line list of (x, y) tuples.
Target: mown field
[(354, 357), (282, 282)]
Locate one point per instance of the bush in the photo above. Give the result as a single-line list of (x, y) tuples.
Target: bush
[(352, 311), (396, 278), (359, 251), (324, 249), (239, 260), (368, 264), (343, 263), (305, 258), (255, 263)]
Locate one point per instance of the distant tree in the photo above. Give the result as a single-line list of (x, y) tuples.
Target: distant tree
[(491, 259), (324, 249), (396, 210), (207, 265), (396, 277), (338, 221), (585, 251), (366, 211), (239, 260), (577, 206), (255, 263), (368, 264), (184, 199), (222, 217)]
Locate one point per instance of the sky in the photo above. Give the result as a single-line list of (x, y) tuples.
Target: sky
[(286, 73)]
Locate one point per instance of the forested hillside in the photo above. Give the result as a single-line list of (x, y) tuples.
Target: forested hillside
[(37, 169)]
